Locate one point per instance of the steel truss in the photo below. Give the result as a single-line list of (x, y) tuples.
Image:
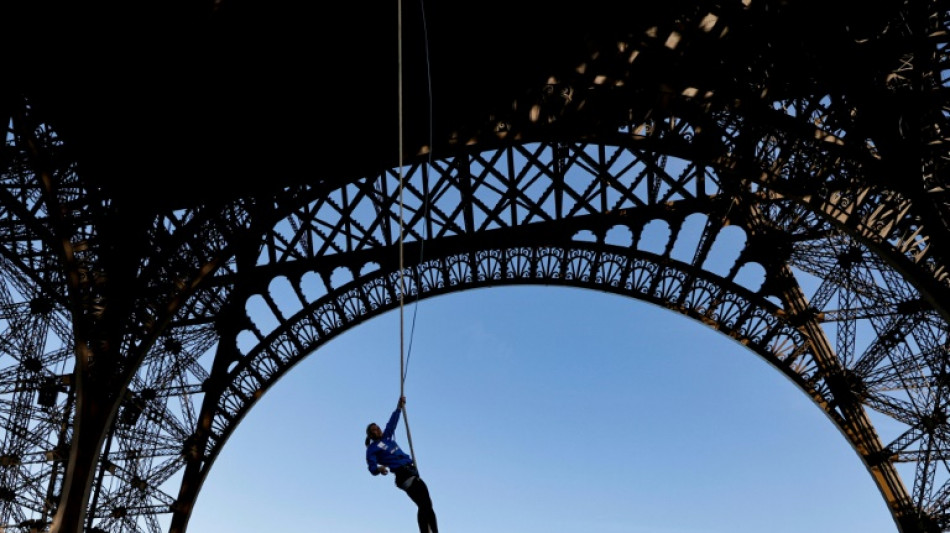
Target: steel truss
[(160, 332)]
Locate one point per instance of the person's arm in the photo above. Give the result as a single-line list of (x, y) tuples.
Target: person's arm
[(394, 419), (371, 464)]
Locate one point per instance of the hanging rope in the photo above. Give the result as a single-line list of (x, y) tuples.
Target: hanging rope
[(405, 353), (402, 276)]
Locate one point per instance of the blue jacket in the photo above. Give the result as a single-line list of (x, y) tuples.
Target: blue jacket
[(385, 451)]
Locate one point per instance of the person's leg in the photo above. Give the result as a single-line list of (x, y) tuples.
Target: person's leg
[(419, 493)]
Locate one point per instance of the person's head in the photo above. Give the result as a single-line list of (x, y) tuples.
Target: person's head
[(373, 433)]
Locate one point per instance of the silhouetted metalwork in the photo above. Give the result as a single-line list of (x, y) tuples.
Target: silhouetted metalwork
[(792, 202)]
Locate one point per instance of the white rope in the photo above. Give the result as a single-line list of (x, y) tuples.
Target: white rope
[(402, 277)]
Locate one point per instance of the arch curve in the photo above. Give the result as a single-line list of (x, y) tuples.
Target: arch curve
[(750, 318)]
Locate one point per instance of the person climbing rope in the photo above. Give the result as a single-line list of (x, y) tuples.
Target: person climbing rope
[(383, 455)]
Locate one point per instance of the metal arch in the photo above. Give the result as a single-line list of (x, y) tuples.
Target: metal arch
[(339, 245), (810, 150), (749, 318), (344, 240), (520, 197)]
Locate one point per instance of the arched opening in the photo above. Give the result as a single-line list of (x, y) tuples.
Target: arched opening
[(543, 409)]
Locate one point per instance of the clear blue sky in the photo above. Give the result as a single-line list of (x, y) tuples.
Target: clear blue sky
[(543, 410)]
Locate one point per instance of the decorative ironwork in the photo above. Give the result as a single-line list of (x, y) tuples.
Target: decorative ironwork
[(773, 209)]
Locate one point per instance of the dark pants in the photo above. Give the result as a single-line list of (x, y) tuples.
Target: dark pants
[(407, 479)]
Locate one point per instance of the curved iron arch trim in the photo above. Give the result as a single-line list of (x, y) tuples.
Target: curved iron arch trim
[(747, 317)]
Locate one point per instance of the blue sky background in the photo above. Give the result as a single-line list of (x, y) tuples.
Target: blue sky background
[(543, 409)]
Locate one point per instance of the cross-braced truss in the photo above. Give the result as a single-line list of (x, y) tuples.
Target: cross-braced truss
[(787, 222)]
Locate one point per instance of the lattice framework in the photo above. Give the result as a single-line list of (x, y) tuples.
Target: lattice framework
[(839, 281)]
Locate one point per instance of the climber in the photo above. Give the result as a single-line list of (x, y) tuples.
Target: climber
[(383, 455)]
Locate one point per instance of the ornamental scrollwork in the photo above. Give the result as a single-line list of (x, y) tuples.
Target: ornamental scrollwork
[(550, 263), (520, 263), (489, 265), (578, 265)]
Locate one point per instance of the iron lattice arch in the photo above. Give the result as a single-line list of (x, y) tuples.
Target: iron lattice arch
[(782, 280), (786, 216)]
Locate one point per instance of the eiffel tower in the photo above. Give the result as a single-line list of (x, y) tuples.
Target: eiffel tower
[(166, 163)]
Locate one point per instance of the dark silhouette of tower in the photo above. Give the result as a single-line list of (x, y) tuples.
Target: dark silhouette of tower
[(165, 163)]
